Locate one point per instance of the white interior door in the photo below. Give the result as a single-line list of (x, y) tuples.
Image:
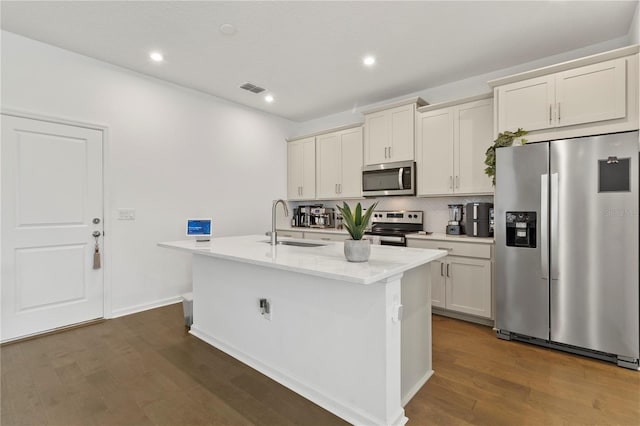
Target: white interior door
[(51, 194)]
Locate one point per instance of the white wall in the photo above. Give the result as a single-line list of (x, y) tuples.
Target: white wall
[(173, 153), (634, 29)]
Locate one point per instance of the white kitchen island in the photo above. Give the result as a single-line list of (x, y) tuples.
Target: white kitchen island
[(355, 338)]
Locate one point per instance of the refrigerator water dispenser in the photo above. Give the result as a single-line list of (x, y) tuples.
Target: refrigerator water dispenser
[(521, 229)]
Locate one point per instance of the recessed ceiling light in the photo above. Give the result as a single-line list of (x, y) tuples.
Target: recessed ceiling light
[(156, 56), (369, 60), (269, 98), (227, 29)]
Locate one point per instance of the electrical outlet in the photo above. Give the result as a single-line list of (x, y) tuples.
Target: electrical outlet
[(126, 214), (265, 308)]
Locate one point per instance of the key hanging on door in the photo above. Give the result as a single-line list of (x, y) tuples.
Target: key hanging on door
[(96, 252)]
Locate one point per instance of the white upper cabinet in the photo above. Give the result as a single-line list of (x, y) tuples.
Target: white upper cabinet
[(526, 104), (473, 135), (351, 162), (389, 132), (450, 148), (593, 95), (301, 169), (377, 137), (434, 149), (339, 164)]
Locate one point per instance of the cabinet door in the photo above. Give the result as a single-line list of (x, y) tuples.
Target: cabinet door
[(473, 135), (468, 287), (377, 137), (301, 169), (591, 93), (325, 236), (328, 165), (351, 163), (527, 104), (295, 161), (438, 284), (290, 234), (309, 169), (402, 122), (435, 152)]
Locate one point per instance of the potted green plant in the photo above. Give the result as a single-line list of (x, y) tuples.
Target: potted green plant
[(505, 138), (356, 249)]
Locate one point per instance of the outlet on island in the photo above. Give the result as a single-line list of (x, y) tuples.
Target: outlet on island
[(265, 308)]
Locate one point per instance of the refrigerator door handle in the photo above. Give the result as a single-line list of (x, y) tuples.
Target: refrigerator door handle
[(544, 225), (555, 200)]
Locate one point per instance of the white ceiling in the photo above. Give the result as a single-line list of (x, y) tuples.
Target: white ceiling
[(308, 54)]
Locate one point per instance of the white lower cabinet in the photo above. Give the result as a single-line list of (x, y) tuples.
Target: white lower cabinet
[(290, 234), (438, 283), (461, 282), (325, 236), (468, 286), (314, 234)]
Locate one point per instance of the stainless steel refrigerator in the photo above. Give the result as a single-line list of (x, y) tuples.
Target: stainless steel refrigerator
[(567, 245)]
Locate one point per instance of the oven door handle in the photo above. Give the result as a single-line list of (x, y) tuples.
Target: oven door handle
[(390, 239)]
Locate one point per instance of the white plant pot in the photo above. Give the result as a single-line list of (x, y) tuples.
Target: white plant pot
[(357, 250)]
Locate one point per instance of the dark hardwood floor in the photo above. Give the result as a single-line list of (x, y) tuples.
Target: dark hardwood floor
[(145, 369)]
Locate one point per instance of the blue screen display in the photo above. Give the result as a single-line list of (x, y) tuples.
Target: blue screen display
[(199, 227)]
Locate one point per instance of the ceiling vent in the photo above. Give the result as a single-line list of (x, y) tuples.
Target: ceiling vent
[(252, 88)]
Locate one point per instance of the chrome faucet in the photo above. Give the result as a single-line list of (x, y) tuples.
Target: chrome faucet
[(274, 235)]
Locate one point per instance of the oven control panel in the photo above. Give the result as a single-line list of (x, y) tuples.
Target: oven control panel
[(400, 216)]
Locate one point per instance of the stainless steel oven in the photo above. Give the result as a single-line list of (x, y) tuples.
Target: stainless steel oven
[(392, 226), (389, 179)]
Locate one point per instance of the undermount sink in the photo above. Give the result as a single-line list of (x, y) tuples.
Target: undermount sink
[(297, 243)]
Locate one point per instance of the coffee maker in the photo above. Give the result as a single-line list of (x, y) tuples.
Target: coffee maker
[(323, 217), (455, 227), (302, 216)]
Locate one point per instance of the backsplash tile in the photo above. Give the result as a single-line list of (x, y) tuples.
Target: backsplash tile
[(436, 211)]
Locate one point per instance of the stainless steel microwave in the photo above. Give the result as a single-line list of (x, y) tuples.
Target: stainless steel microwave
[(389, 179)]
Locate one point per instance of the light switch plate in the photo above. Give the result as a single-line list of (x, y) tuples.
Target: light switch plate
[(126, 214)]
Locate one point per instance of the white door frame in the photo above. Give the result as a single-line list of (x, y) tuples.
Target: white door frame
[(106, 186)]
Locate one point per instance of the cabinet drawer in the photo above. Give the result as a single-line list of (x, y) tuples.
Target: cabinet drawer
[(325, 236), (482, 251), (290, 234)]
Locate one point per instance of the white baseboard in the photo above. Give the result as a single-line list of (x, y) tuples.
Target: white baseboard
[(414, 390), (464, 317), (351, 414), (145, 306)]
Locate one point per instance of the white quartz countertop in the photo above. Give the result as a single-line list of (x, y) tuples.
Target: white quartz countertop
[(457, 238), (326, 261)]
